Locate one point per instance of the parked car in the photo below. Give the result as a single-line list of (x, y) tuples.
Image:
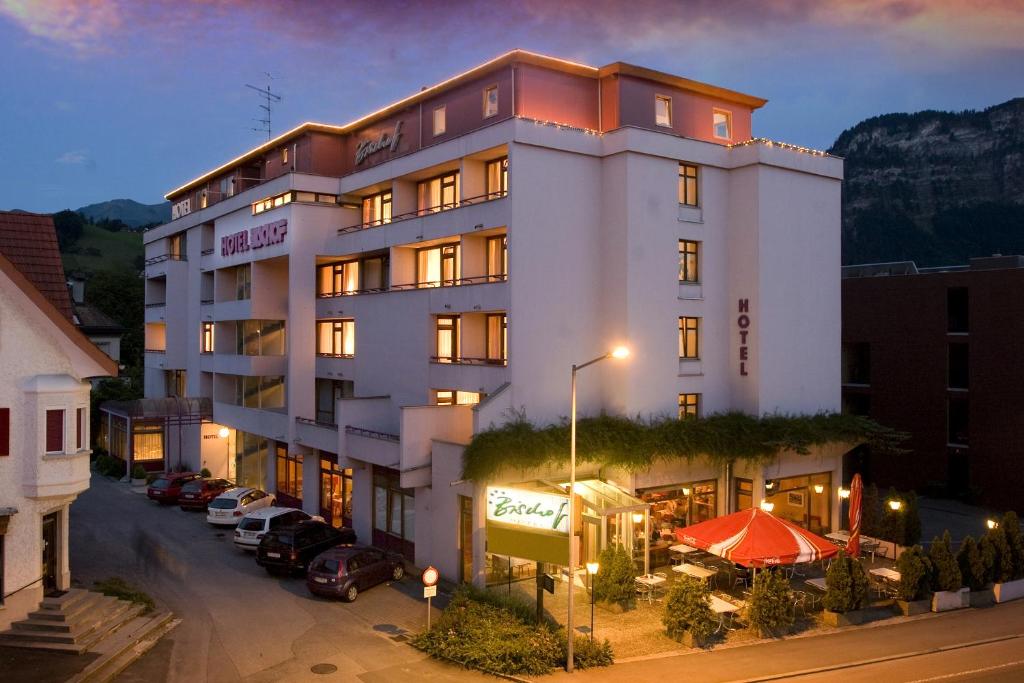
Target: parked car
[(197, 494), (228, 508), (345, 571), (254, 525), (292, 548), (166, 488)]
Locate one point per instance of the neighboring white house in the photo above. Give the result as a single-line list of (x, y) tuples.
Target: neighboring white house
[(45, 364)]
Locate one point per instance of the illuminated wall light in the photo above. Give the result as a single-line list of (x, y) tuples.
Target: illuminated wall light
[(991, 523), (769, 484), (592, 567), (767, 506), (895, 505), (638, 517), (818, 488), (686, 490), (844, 493)]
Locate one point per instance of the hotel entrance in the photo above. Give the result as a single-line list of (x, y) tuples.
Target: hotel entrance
[(335, 491)]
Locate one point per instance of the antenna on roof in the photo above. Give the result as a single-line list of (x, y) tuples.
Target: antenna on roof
[(268, 97)]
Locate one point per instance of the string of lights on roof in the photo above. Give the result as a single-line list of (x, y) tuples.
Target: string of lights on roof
[(782, 145), (559, 126)]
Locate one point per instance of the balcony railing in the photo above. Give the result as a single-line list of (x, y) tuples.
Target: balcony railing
[(323, 354), (158, 304), (437, 284), (371, 434), (426, 211), (205, 302), (154, 350), (166, 257), (316, 423), (207, 252), (465, 360)]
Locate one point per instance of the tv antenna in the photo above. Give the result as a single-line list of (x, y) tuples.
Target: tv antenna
[(269, 98)]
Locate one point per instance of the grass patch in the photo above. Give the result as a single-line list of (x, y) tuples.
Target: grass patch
[(98, 249), (117, 587)]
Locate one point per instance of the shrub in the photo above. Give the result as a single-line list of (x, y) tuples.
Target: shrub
[(122, 590), (913, 566), (687, 608), (871, 512), (987, 550), (138, 472), (205, 473), (770, 603), (587, 653), (1011, 530), (1000, 554), (846, 585), (972, 565), (615, 579), (945, 573)]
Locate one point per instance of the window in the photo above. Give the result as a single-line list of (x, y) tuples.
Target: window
[(958, 366), (284, 155), (744, 494), (490, 101), (689, 258), (336, 338), (439, 122), (268, 203), (688, 184), (177, 247), (689, 337), (377, 208), (175, 383), (497, 339), (956, 310), (452, 397), (203, 199), (856, 363), (5, 432), (497, 258), (227, 187), (497, 178), (243, 282), (259, 337), (251, 452), (722, 121), (438, 266), (147, 441), (206, 339), (54, 431), (438, 194), (289, 472), (680, 505), (328, 391), (259, 392), (79, 428), (394, 508), (447, 339), (369, 274), (958, 420), (663, 110), (689, 406)]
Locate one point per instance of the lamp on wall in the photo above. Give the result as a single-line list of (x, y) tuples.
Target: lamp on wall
[(844, 493), (767, 506), (686, 490), (818, 488), (638, 517)]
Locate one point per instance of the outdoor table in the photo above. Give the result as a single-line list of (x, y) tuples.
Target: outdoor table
[(683, 549), (723, 608), (841, 537), (651, 581), (816, 583), (870, 547), (887, 574), (694, 571)]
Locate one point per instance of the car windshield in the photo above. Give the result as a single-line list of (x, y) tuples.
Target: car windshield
[(161, 483), (328, 566), (224, 503), (251, 524), (283, 539), (192, 487)]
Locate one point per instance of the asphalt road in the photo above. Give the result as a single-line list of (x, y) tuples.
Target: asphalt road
[(239, 623)]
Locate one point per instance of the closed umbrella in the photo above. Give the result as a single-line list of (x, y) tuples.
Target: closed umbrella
[(856, 494)]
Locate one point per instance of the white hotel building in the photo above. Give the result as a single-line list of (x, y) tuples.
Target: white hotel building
[(354, 302)]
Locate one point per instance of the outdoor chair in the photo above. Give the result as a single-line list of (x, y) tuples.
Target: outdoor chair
[(643, 592), (796, 570), (799, 603), (742, 578)]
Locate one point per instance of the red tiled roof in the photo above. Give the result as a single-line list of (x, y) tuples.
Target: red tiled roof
[(29, 241)]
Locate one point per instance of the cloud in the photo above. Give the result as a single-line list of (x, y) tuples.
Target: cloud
[(78, 157), (80, 24)]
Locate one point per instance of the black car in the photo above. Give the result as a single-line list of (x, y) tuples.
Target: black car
[(343, 572), (291, 548)]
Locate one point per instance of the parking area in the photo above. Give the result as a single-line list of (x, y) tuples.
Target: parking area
[(239, 623)]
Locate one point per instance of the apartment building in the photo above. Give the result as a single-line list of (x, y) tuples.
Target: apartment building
[(930, 351), (358, 300)]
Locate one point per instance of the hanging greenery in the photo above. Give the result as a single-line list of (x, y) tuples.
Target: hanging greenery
[(636, 444)]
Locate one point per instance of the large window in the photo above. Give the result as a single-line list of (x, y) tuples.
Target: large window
[(447, 339), (438, 266), (259, 337), (806, 501), (688, 184), (497, 258), (663, 110), (335, 491), (289, 473), (959, 368), (264, 393), (177, 247), (438, 194), (497, 338), (689, 261), (377, 208), (336, 338), (680, 505), (328, 391), (394, 508), (54, 431), (368, 274), (689, 406), (243, 282), (722, 123), (497, 178), (957, 318), (856, 357), (250, 460), (176, 383), (454, 397), (689, 337), (206, 339), (744, 494), (147, 441)]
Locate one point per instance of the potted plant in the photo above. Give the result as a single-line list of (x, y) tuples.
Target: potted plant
[(688, 616), (770, 606), (975, 572), (912, 594), (947, 580), (846, 592), (1007, 551), (615, 583), (138, 475)]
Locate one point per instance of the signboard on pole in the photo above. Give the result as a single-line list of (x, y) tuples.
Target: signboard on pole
[(430, 591)]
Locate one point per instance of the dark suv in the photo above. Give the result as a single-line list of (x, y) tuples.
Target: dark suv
[(197, 494), (343, 572), (292, 548), (167, 487)]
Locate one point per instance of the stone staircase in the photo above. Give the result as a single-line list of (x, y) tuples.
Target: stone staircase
[(73, 622)]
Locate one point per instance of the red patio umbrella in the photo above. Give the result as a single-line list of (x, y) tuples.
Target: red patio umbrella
[(856, 493), (755, 538)]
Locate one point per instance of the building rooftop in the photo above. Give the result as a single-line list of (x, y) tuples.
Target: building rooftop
[(993, 262), (29, 241)]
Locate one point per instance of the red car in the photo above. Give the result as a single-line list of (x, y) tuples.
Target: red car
[(167, 488), (197, 494)]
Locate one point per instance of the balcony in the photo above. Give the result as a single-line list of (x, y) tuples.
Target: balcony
[(315, 434), (235, 364), (470, 374), (367, 445), (166, 264), (156, 312), (272, 424), (428, 211), (56, 474), (336, 366)]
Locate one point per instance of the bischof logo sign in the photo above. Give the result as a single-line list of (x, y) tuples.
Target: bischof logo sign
[(255, 238), (546, 511), (385, 141)]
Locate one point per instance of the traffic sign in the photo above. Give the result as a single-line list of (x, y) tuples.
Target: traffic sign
[(431, 576)]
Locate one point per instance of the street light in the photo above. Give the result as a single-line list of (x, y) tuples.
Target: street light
[(592, 568), (224, 433), (619, 352), (991, 523), (895, 505)]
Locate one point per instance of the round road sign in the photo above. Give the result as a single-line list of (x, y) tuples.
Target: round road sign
[(430, 576)]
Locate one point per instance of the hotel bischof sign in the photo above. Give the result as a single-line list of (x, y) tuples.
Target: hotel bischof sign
[(388, 141), (254, 238), (546, 511)]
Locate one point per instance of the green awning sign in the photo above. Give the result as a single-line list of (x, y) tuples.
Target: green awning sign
[(531, 509)]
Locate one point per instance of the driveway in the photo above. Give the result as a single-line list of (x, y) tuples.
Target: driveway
[(239, 623)]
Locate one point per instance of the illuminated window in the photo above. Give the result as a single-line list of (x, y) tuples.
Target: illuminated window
[(147, 441), (497, 339), (490, 101), (689, 337), (289, 472), (438, 194), (439, 120), (259, 392), (723, 124), (336, 338), (689, 261), (203, 200), (497, 258), (497, 178), (437, 266), (452, 397), (447, 339), (284, 155), (259, 337), (663, 110), (206, 342), (368, 274), (377, 208), (689, 406), (688, 184)]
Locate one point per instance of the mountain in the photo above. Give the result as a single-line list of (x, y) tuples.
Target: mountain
[(128, 211), (934, 187)]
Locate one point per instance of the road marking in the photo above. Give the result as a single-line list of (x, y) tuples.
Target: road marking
[(969, 672)]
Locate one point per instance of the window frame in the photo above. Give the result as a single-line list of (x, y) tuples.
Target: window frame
[(454, 257), (502, 341), (206, 337), (684, 177), (49, 437), (5, 433), (502, 165), (688, 401), (455, 325), (685, 353), (667, 99), (243, 282), (341, 330), (728, 124), (497, 102), (377, 203), (685, 254), (502, 252), (442, 110)]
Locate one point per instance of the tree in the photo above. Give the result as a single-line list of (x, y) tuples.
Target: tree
[(770, 603), (121, 295), (688, 609), (69, 227), (1011, 530), (846, 585), (972, 565), (871, 512), (946, 575), (614, 581), (913, 566)]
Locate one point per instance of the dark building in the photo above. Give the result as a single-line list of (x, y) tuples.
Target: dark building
[(936, 352)]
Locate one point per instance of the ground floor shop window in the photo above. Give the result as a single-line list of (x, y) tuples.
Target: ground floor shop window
[(335, 491), (118, 437), (744, 494), (394, 512), (805, 500), (680, 505), (289, 475), (250, 459), (147, 442)]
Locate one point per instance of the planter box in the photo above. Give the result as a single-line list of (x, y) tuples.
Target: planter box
[(943, 601), (851, 618), (1011, 590), (909, 609), (139, 482), (982, 598)]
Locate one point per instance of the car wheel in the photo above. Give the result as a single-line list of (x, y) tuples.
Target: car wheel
[(397, 573), (351, 594)]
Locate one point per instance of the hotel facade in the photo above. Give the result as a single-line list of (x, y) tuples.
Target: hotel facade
[(355, 302)]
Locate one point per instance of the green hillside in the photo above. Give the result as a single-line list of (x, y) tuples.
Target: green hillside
[(128, 211), (98, 249)]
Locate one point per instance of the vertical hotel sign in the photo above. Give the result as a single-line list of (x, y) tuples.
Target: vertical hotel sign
[(743, 323)]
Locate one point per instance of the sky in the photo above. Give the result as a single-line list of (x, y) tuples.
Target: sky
[(110, 99)]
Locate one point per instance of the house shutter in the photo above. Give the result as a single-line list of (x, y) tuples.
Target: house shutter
[(54, 431), (5, 431), (79, 427)]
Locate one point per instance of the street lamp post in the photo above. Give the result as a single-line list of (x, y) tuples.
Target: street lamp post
[(617, 352), (592, 568), (224, 433)]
